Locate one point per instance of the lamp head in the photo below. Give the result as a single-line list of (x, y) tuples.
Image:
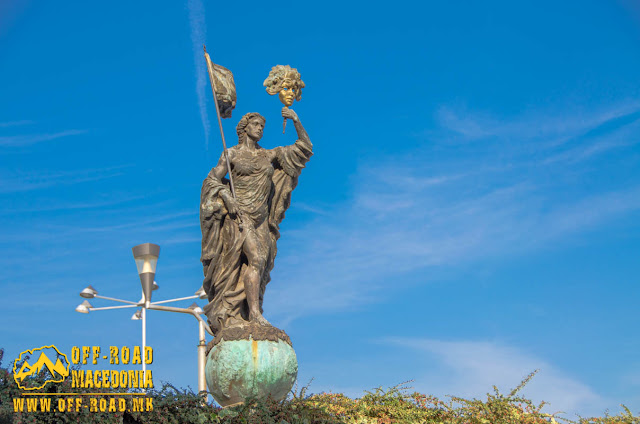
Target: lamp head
[(84, 307), (88, 292), (146, 256), (197, 309), (201, 293)]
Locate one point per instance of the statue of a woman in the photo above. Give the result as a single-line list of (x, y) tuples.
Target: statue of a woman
[(239, 234)]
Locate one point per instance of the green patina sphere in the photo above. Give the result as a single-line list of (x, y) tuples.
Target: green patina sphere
[(241, 369)]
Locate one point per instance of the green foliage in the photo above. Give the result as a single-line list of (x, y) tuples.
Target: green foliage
[(9, 391), (380, 406), (625, 417), (500, 409)]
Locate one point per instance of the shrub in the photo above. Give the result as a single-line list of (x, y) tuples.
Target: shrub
[(393, 405)]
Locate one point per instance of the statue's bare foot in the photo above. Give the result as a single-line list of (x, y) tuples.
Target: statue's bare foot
[(259, 319)]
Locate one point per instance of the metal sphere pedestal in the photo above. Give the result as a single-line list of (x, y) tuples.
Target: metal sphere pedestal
[(250, 362)]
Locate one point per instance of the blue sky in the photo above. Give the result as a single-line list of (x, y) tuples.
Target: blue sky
[(470, 213)]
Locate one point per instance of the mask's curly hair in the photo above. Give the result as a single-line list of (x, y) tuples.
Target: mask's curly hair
[(281, 73), (242, 125)]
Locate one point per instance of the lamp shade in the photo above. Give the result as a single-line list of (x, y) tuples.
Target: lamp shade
[(197, 309), (137, 315), (201, 293), (89, 292), (84, 307), (146, 257)]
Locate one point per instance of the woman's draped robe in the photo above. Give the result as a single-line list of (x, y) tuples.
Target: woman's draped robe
[(263, 184)]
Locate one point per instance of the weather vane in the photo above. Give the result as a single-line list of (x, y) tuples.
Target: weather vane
[(284, 81)]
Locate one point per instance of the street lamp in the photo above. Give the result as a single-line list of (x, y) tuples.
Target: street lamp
[(146, 257)]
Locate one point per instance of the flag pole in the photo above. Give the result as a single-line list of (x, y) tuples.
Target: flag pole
[(215, 101)]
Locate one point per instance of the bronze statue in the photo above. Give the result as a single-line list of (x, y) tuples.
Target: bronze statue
[(239, 234), (240, 218)]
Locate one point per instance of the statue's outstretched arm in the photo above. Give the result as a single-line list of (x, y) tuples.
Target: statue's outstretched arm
[(302, 133)]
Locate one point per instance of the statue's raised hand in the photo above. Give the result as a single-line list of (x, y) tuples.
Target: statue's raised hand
[(289, 114)]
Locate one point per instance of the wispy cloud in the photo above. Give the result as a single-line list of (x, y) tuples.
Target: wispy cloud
[(553, 126), (625, 136), (26, 140), (55, 238), (27, 181), (182, 240), (157, 223), (198, 36), (70, 206), (15, 123), (451, 210), (470, 368), (318, 210), (336, 265)]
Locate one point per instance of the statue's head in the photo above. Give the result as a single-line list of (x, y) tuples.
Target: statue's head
[(251, 125), (285, 81)]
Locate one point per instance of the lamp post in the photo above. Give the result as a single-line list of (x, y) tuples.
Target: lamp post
[(146, 257)]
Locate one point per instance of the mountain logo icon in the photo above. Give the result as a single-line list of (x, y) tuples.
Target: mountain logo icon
[(26, 375)]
